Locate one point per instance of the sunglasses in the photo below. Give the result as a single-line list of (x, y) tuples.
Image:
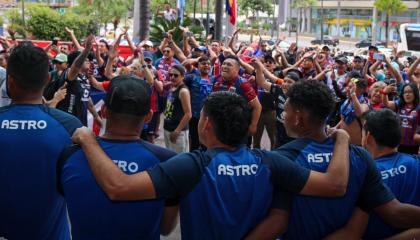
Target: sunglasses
[(173, 75)]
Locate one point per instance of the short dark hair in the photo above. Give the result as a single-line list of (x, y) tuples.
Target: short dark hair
[(312, 96), (179, 68), (203, 59), (28, 65), (234, 58), (385, 127), (230, 115), (104, 42)]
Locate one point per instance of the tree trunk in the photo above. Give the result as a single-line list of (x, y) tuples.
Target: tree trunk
[(303, 23), (141, 19), (387, 30), (309, 25), (219, 18)]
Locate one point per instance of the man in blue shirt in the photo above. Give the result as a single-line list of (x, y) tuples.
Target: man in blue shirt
[(32, 137), (399, 171), (92, 214), (200, 83), (307, 107), (226, 190)]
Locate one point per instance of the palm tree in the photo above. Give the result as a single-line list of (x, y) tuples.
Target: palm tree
[(390, 7)]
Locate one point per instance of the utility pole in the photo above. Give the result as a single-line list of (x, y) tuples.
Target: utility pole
[(374, 23), (338, 17), (218, 20), (322, 22)]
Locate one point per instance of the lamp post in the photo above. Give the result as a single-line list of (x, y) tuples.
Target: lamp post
[(322, 22)]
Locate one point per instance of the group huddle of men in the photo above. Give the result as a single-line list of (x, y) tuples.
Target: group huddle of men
[(118, 186)]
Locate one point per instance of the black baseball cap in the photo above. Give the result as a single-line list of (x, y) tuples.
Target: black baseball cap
[(129, 95), (296, 71), (342, 60)]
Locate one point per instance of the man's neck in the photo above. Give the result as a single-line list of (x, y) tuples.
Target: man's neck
[(317, 134), (380, 152), (216, 144), (204, 74), (122, 133), (28, 100)]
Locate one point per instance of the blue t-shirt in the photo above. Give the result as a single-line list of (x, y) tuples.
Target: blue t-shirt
[(199, 88), (314, 217), (224, 194), (401, 173), (92, 214), (32, 138)]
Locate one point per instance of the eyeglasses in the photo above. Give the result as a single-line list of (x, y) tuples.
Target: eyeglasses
[(204, 63), (173, 75), (166, 51)]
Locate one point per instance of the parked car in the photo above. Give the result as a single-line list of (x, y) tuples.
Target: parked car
[(367, 43), (328, 40)]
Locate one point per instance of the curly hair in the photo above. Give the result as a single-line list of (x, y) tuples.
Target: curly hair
[(230, 115), (312, 96)]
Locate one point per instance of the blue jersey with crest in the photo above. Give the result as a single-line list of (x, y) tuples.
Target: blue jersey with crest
[(32, 137), (401, 173), (92, 214), (224, 194), (314, 217)]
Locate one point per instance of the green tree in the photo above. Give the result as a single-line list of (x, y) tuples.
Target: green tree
[(45, 23), (105, 11), (302, 5), (255, 6), (389, 7)]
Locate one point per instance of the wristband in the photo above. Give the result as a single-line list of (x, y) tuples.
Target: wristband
[(383, 91), (279, 81)]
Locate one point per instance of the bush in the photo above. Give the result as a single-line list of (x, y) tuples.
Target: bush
[(45, 23)]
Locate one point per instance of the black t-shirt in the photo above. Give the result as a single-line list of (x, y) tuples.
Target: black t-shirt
[(174, 111), (77, 98)]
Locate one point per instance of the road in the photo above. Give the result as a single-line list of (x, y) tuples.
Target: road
[(303, 41)]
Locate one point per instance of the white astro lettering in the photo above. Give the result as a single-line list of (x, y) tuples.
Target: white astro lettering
[(23, 124), (392, 172), (239, 170), (319, 157), (125, 166)]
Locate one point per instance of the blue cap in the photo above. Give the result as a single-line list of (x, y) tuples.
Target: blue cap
[(201, 49), (148, 55)]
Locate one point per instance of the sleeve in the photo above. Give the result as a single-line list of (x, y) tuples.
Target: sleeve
[(177, 176), (161, 153), (188, 79), (248, 91), (374, 192), (286, 174), (64, 156), (106, 85), (282, 200)]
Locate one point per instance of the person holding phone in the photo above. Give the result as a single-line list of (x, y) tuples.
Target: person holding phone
[(407, 107)]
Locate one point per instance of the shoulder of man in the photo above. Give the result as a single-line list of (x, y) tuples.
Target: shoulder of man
[(69, 122)]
